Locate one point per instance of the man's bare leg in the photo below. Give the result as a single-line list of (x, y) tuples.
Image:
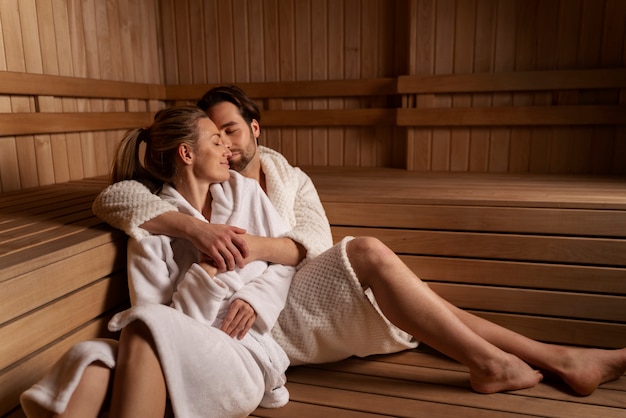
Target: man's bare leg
[(379, 268), (414, 307), (583, 369)]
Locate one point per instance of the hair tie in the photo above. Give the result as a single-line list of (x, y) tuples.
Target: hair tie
[(144, 135)]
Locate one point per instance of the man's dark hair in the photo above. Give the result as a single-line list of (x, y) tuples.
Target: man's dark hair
[(248, 109)]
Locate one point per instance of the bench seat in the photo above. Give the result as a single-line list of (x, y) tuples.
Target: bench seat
[(543, 255), (62, 276)]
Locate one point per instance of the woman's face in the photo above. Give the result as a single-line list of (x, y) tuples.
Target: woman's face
[(211, 162)]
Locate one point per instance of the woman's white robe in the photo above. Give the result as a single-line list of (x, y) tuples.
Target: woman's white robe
[(207, 372)]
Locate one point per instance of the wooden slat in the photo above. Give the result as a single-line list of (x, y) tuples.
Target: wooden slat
[(584, 251), (287, 89), (562, 330), (32, 288), (50, 250), (513, 81), (36, 329), (513, 116), (569, 277), (61, 86), (329, 388), (534, 302), (474, 218), (335, 117), (35, 123)]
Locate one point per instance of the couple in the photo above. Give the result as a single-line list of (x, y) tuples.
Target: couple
[(354, 298)]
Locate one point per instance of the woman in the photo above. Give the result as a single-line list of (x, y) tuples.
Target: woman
[(200, 337)]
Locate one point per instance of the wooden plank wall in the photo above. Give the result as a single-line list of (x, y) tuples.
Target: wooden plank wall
[(295, 40), (475, 36), (180, 42), (238, 41), (112, 40)]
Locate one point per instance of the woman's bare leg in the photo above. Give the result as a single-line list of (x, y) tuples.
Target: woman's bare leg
[(139, 386), (402, 301), (88, 398)]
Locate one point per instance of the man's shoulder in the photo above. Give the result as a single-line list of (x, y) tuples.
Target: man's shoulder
[(275, 164), (268, 153), (270, 157)]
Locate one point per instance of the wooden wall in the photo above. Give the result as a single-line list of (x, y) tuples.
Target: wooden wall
[(181, 42), (108, 40), (236, 41), (474, 36)]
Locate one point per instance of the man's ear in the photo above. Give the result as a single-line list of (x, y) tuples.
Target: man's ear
[(185, 153), (256, 129)]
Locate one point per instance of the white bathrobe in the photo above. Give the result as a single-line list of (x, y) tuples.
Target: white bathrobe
[(328, 315), (207, 372)]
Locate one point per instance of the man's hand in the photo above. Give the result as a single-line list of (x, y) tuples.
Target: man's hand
[(224, 245), (239, 320)]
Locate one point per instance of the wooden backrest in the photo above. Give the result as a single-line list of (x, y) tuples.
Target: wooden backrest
[(66, 128)]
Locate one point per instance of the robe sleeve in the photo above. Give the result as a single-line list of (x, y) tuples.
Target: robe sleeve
[(267, 295), (312, 228), (128, 204), (149, 270)]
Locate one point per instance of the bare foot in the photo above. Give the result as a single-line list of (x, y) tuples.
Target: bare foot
[(510, 373), (585, 369)]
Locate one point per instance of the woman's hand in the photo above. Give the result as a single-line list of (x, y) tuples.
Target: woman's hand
[(209, 268), (239, 320)]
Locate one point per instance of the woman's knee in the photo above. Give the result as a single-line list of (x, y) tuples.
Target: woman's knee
[(135, 340)]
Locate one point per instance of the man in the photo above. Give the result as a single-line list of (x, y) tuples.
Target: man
[(353, 298)]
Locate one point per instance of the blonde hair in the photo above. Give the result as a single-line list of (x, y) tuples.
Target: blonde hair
[(171, 127)]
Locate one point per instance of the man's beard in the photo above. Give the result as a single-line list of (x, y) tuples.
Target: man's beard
[(242, 163)]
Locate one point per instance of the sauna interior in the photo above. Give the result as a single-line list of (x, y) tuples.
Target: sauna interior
[(172, 43), (484, 141)]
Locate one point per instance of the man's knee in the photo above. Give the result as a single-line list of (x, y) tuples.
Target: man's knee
[(369, 249), (368, 256)]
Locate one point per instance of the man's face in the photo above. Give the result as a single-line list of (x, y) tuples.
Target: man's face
[(235, 132)]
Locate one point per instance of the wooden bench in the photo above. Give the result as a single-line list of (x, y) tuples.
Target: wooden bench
[(543, 255), (63, 276)]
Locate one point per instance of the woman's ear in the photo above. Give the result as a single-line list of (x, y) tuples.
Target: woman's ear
[(185, 153)]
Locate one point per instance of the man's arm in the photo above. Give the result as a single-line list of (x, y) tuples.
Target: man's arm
[(224, 245), (130, 206), (275, 250)]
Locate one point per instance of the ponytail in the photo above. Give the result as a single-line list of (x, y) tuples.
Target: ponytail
[(171, 127), (127, 163)]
